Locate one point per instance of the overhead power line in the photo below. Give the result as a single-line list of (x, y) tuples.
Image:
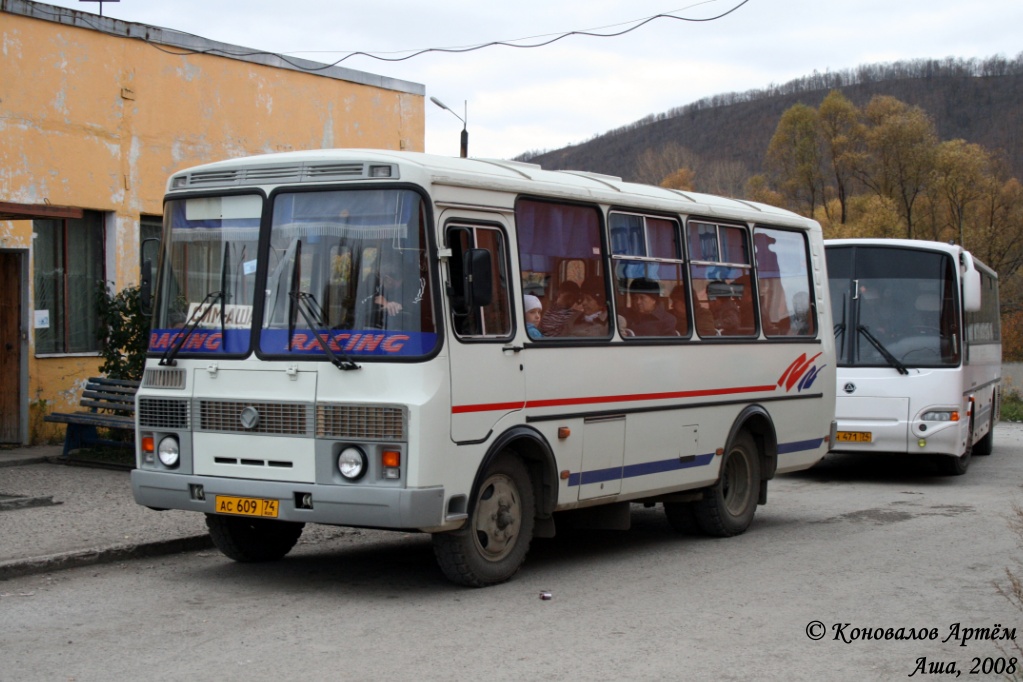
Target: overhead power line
[(547, 39)]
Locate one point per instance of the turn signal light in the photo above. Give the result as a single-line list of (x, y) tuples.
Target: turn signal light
[(391, 458), (148, 444)]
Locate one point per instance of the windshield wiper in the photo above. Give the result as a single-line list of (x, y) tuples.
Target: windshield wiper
[(883, 351), (307, 307), (190, 325)]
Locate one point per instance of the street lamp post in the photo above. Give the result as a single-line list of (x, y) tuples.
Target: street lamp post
[(465, 131)]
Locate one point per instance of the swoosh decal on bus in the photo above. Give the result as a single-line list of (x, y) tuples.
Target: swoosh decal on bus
[(673, 464), (599, 400)]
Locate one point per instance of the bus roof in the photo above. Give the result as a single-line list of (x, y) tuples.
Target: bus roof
[(333, 165)]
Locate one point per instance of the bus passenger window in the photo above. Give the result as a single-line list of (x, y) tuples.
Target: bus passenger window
[(720, 278), (650, 291), (783, 281), (560, 255)]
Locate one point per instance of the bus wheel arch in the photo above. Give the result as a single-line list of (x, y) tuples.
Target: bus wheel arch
[(509, 493), (756, 420)]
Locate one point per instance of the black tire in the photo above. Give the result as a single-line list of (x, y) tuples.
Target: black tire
[(957, 466), (492, 545), (728, 507), (682, 517), (252, 540)]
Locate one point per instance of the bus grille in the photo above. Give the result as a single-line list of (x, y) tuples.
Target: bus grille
[(361, 422), (279, 419), (160, 413)]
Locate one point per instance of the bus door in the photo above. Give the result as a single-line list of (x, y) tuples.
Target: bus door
[(487, 381)]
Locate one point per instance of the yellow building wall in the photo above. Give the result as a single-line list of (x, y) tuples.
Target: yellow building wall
[(99, 122)]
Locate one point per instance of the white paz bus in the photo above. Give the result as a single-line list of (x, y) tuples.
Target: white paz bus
[(919, 349), (473, 349)]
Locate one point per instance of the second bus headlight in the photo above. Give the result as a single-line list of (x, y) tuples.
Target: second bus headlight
[(352, 463)]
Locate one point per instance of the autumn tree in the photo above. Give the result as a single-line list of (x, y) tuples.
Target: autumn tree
[(842, 136), (796, 158), (680, 179), (900, 146)]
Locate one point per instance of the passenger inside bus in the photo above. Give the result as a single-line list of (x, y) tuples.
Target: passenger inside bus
[(566, 306), (677, 299), (591, 319), (534, 312), (648, 316)]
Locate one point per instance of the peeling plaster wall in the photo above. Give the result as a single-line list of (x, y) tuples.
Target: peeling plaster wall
[(99, 122)]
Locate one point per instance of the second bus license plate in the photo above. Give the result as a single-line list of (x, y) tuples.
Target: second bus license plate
[(855, 436), (246, 506)]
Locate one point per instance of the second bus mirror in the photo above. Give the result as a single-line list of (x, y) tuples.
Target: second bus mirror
[(478, 271), (971, 285)]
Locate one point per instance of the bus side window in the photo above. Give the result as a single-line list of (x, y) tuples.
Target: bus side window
[(560, 255), (783, 281), (720, 278), (491, 320)]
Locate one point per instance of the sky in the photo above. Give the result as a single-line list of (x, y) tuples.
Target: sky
[(516, 100)]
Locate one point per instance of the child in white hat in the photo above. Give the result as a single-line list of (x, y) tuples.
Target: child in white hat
[(534, 310)]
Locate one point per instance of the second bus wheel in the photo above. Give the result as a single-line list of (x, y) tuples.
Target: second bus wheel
[(251, 540), (727, 508), (492, 545)]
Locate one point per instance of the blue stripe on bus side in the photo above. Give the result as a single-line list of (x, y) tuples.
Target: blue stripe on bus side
[(673, 464)]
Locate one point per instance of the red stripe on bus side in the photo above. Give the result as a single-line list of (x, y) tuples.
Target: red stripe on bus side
[(599, 400)]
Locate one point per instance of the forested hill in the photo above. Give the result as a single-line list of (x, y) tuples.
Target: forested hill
[(980, 101)]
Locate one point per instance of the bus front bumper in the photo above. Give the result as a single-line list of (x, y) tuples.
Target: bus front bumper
[(363, 506)]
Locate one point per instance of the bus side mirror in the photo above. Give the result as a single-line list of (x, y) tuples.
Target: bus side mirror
[(971, 285), (146, 288), (478, 270)]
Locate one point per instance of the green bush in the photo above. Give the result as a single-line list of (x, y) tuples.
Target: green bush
[(1012, 407), (123, 331)]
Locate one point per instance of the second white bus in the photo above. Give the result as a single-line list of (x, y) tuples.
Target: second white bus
[(340, 337), (919, 349)]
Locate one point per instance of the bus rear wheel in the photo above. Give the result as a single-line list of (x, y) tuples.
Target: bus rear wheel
[(250, 540), (727, 508), (492, 545)]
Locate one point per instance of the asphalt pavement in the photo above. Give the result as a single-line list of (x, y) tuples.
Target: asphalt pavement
[(57, 514)]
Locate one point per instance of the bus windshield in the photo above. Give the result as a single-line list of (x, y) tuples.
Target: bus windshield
[(345, 275), (207, 275), (351, 266), (895, 307)]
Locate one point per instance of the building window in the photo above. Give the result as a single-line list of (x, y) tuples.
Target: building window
[(150, 228), (68, 268)]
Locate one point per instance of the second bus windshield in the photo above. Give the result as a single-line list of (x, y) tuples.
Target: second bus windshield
[(894, 304)]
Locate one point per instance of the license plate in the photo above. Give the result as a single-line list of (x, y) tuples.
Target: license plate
[(855, 436), (246, 506)]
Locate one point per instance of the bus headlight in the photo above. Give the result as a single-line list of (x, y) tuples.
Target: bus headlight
[(352, 463), (940, 416), (169, 452)]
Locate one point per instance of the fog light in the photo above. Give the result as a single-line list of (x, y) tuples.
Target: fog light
[(169, 452), (352, 463)]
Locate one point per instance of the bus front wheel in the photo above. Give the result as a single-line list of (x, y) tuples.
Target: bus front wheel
[(252, 540), (492, 545), (727, 508)]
